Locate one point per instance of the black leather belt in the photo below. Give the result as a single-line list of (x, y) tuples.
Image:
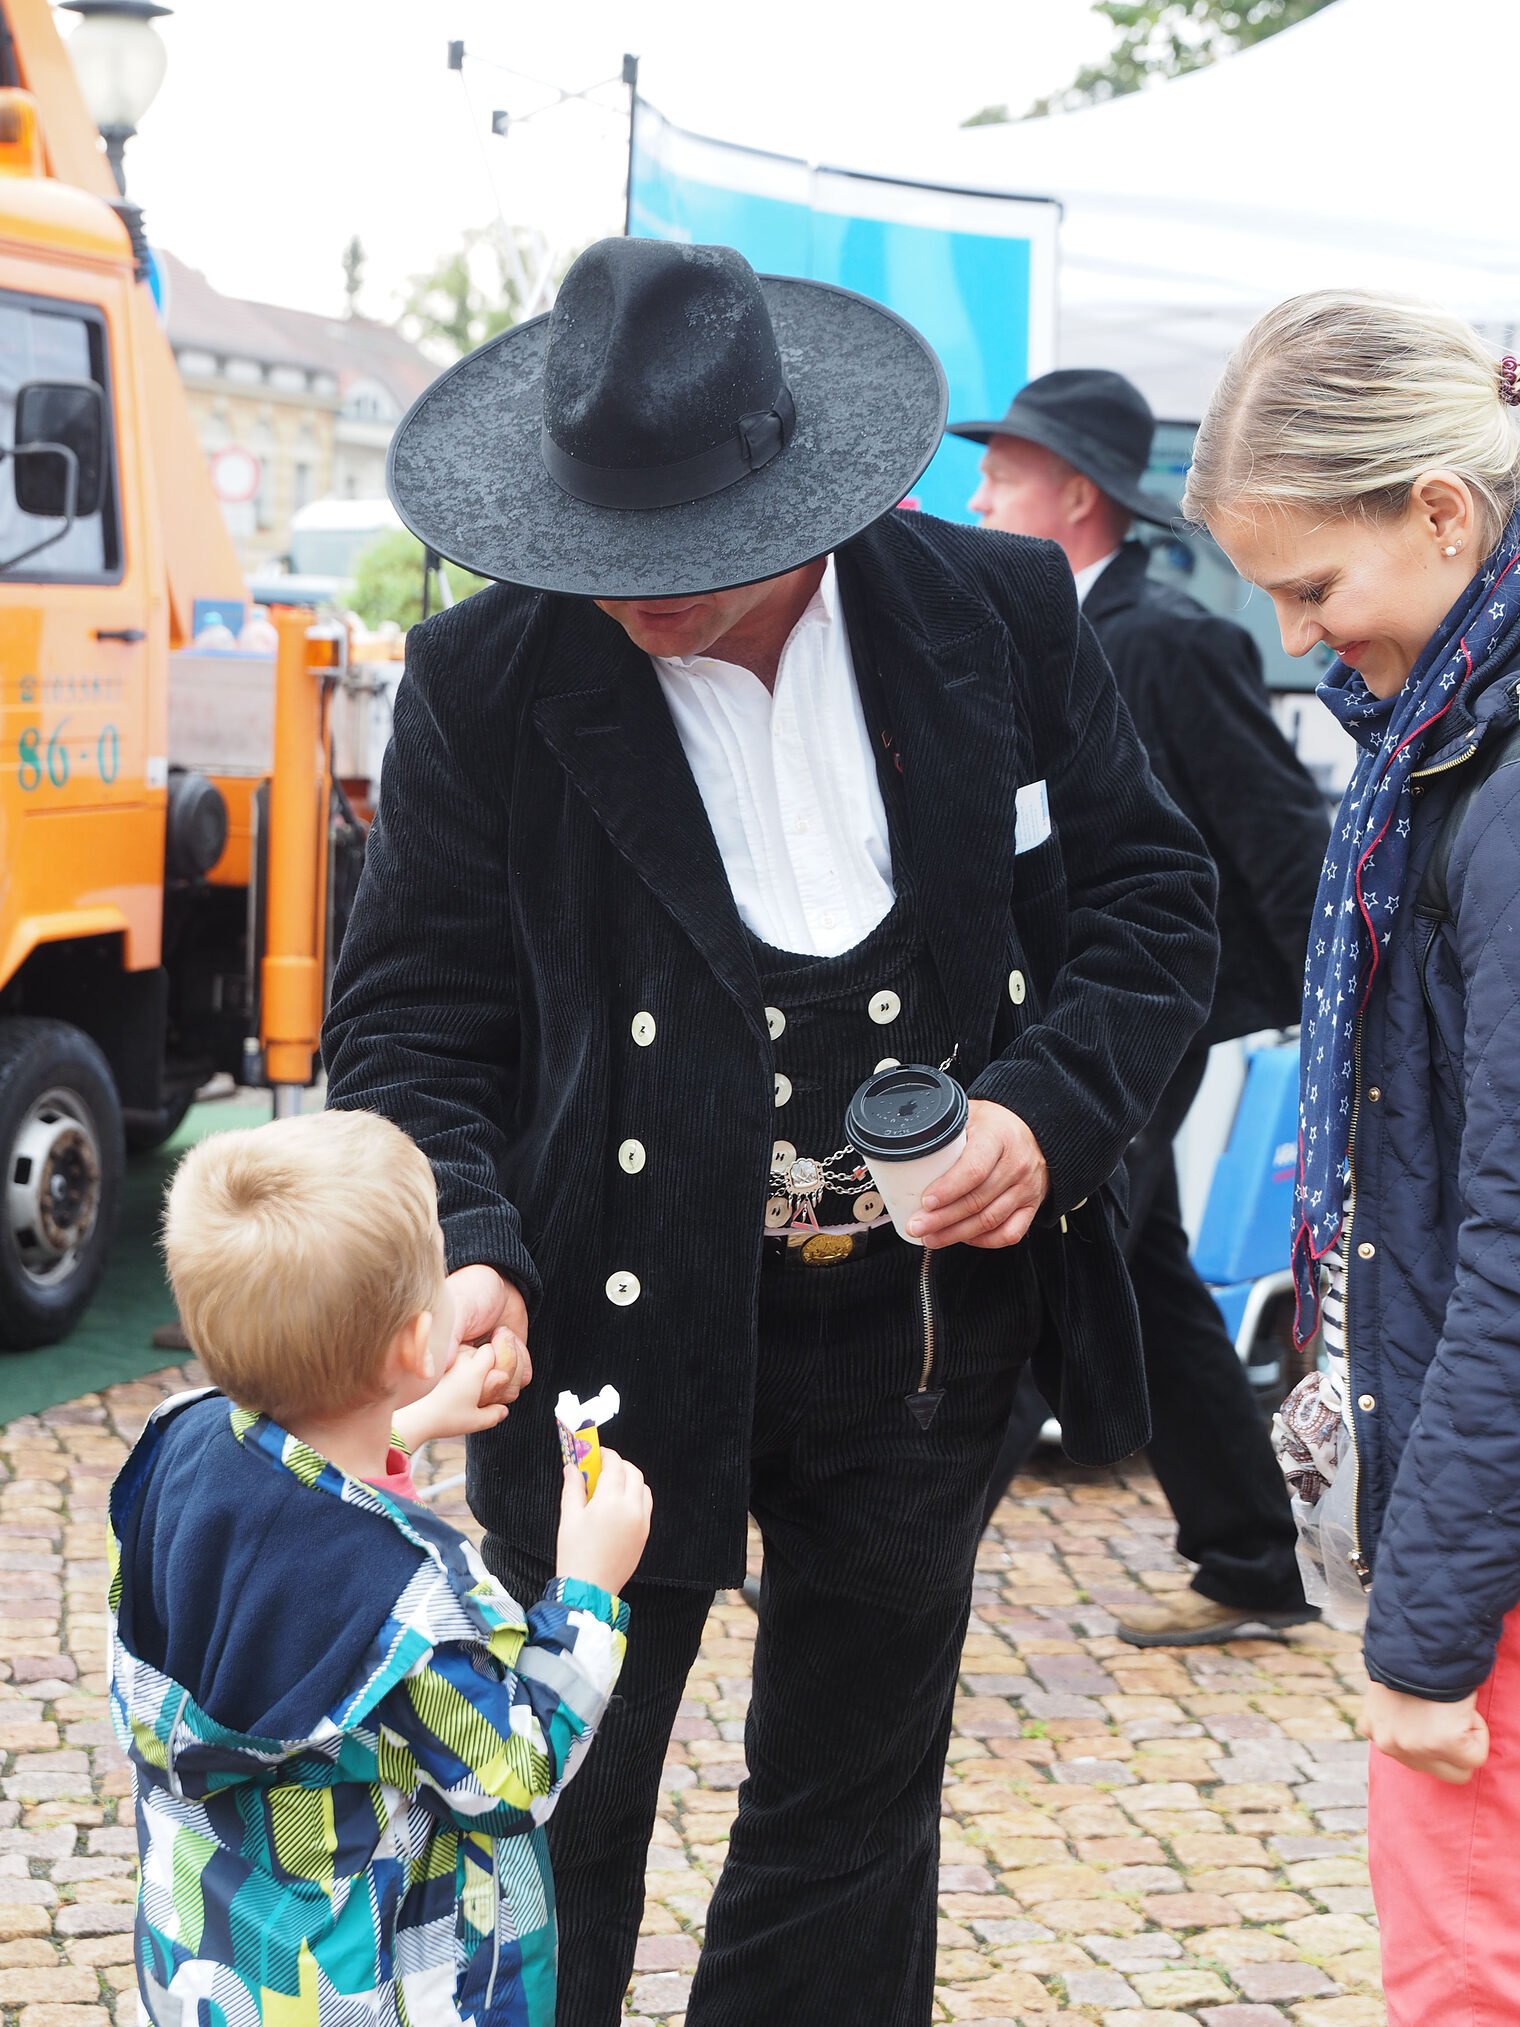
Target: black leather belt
[(790, 1252)]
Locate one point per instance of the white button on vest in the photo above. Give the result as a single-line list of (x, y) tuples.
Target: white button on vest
[(884, 1008), (886, 1063), (1016, 987), (623, 1288), (1366, 1402), (783, 1154), (868, 1208), (775, 1020), (783, 1088), (643, 1029), (631, 1156), (1365, 1250), (778, 1212)]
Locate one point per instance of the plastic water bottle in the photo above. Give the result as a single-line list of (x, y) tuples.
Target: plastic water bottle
[(258, 636), (215, 633)]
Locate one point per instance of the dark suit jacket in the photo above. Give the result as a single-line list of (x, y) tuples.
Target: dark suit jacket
[(1194, 688), (542, 871)]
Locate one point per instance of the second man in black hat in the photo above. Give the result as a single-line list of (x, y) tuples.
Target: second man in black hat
[(1067, 462)]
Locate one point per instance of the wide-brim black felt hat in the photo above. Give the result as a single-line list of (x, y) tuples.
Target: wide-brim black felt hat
[(676, 425), (1099, 422)]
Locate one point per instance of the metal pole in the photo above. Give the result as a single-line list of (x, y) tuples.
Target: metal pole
[(116, 139), (631, 79), (291, 998)]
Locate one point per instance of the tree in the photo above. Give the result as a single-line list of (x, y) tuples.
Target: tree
[(388, 580), (353, 273), (989, 116), (479, 289), (1168, 38), (465, 298)]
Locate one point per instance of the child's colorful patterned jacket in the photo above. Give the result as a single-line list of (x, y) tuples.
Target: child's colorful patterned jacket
[(345, 1739)]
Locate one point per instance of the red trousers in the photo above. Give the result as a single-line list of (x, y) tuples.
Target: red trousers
[(1446, 1873)]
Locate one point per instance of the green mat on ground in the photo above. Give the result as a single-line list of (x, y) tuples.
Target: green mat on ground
[(115, 1340)]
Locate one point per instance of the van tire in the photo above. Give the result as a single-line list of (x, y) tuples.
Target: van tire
[(63, 1151)]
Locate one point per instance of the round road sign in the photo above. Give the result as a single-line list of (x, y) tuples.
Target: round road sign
[(235, 475)]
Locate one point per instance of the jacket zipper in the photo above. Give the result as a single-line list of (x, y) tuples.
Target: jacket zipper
[(1444, 766), (926, 1304), (1357, 1559)]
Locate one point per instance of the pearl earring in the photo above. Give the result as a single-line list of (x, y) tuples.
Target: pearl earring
[(1451, 548)]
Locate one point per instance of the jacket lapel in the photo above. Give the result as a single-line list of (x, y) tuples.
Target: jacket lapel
[(943, 665), (611, 730), (1119, 586)]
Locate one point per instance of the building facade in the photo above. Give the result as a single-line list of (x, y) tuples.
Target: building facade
[(315, 400)]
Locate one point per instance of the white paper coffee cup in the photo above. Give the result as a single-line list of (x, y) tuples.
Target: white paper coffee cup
[(908, 1124)]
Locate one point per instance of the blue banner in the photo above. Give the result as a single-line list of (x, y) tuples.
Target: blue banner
[(972, 270)]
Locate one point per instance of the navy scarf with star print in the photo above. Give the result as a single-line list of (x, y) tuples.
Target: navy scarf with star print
[(1362, 886)]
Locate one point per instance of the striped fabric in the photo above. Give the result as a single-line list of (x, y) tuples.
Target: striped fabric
[(391, 1866), (1333, 1308)]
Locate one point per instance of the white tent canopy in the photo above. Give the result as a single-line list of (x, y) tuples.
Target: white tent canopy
[(1371, 146)]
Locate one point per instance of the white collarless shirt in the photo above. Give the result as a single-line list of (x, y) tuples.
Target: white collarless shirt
[(788, 779), (1088, 576)]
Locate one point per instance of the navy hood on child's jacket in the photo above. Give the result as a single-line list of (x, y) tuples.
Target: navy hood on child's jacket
[(345, 1738)]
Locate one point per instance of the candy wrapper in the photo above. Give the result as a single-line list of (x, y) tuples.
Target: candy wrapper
[(579, 1422)]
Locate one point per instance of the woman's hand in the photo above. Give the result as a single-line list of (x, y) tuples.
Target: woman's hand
[(489, 1308), (991, 1195), (1448, 1740), (602, 1538)]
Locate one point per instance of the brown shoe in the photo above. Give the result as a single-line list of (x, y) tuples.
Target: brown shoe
[(1189, 1619)]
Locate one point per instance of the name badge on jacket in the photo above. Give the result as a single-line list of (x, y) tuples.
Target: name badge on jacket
[(1031, 814)]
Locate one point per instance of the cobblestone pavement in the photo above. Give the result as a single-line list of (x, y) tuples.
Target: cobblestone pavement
[(1141, 1839)]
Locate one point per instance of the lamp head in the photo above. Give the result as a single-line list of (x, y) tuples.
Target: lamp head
[(118, 59)]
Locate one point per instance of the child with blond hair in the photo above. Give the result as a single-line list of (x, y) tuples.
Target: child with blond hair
[(345, 1736)]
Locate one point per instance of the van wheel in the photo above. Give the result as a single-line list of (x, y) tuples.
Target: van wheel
[(61, 1140)]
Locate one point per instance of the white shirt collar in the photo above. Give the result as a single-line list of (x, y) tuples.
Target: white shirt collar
[(788, 778), (1088, 577)]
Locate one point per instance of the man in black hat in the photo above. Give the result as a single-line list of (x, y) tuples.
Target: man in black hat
[(739, 787), (1067, 462)]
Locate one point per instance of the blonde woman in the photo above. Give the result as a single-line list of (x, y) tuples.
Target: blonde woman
[(1360, 462)]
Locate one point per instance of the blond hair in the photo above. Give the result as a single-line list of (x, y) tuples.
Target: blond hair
[(296, 1253), (1339, 400)]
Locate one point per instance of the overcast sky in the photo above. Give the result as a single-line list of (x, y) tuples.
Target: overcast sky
[(285, 126)]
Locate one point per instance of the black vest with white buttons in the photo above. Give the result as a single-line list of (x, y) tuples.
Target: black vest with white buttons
[(834, 1020)]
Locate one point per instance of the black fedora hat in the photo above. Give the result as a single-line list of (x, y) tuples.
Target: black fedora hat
[(677, 424), (1099, 422)]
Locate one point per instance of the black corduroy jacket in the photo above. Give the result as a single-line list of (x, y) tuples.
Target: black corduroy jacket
[(545, 960), (1194, 688)]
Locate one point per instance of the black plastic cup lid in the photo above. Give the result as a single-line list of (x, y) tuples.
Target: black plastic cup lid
[(903, 1113)]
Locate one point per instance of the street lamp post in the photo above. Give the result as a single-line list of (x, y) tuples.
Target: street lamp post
[(120, 63)]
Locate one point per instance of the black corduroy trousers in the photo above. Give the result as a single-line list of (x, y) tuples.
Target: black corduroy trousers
[(824, 1915), (1209, 1445)]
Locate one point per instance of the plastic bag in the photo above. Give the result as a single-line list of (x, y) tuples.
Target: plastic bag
[(1327, 1542)]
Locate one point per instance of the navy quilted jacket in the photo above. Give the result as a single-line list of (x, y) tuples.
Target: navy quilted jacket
[(1434, 1250)]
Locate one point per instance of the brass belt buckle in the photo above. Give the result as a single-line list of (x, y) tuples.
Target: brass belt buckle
[(827, 1249)]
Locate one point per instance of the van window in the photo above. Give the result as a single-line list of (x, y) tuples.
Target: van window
[(42, 339)]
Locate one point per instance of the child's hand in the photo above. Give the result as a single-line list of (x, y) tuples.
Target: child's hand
[(602, 1538), (460, 1404), (1448, 1740), (513, 1370)]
